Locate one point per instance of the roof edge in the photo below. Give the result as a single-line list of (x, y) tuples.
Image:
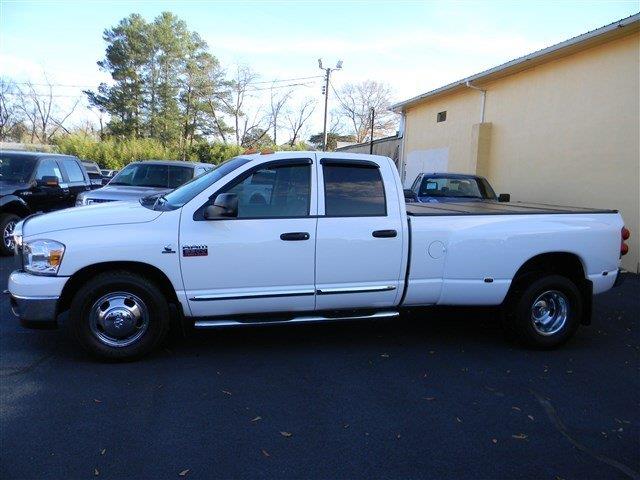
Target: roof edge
[(558, 47)]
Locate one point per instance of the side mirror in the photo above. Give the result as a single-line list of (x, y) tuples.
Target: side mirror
[(48, 181), (225, 205), (504, 197), (410, 195)]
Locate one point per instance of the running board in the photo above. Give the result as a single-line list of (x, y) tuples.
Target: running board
[(229, 322)]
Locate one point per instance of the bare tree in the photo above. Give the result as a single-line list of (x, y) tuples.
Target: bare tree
[(44, 116), (356, 102), (235, 102), (277, 103), (298, 118), (9, 114)]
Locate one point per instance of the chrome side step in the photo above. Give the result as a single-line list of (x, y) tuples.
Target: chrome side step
[(229, 322)]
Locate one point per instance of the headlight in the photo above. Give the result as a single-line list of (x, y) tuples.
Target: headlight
[(42, 257)]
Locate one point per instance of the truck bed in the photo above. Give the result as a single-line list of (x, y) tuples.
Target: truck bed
[(493, 208)]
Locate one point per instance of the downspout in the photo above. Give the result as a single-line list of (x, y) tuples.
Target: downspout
[(401, 130), (483, 98)]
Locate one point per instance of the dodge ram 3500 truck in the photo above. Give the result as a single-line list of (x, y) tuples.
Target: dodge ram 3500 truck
[(331, 238)]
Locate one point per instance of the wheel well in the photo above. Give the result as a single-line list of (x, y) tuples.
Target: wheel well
[(15, 208), (144, 269), (559, 263)]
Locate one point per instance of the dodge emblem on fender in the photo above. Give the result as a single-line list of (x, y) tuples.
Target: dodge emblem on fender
[(195, 251)]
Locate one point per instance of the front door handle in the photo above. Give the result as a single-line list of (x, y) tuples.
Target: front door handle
[(385, 233), (294, 236)]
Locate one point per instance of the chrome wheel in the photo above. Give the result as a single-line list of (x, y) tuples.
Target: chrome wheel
[(118, 319), (549, 312), (7, 234)]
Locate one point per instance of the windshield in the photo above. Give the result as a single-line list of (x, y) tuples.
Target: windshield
[(452, 187), (180, 196), (152, 175), (16, 168)]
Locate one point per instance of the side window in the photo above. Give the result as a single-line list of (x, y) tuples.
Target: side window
[(48, 168), (274, 192), (353, 191), (74, 172)]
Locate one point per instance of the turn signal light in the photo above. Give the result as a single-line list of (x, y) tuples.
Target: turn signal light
[(624, 235)]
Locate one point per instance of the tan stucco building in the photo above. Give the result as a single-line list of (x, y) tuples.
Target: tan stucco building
[(561, 125)]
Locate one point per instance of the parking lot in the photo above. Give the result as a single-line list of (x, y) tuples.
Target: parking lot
[(440, 395)]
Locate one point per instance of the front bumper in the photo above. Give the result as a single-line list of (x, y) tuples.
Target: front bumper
[(34, 299), (35, 312)]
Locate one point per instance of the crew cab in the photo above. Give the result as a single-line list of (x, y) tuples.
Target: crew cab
[(32, 182), (332, 240)]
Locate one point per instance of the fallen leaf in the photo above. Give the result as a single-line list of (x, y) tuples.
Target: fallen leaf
[(346, 425), (398, 436), (429, 398), (517, 409), (519, 436), (97, 401), (458, 420), (431, 352), (257, 419), (385, 355), (96, 472), (530, 417), (184, 473), (286, 434), (494, 440), (265, 453), (227, 392), (103, 451)]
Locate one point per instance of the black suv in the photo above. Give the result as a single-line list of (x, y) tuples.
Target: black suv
[(33, 182)]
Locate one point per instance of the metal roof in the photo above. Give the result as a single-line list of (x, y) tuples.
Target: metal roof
[(616, 29)]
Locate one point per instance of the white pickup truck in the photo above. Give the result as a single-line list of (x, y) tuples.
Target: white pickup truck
[(330, 239)]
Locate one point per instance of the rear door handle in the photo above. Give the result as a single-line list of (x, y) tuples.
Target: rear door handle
[(294, 236), (385, 233)]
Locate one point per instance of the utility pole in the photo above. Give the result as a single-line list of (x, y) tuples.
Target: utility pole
[(327, 79), (373, 114)]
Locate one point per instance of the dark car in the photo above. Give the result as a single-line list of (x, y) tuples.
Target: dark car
[(33, 182), (95, 174), (451, 187), (143, 179)]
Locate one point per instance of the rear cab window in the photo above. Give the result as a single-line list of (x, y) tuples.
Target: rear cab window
[(353, 189)]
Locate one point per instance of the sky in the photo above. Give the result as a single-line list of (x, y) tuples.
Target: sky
[(412, 46)]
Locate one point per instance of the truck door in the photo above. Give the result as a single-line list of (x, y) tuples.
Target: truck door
[(76, 181), (46, 198), (359, 238), (263, 260)]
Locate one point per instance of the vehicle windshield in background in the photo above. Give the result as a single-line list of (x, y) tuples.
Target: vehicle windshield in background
[(189, 190), (452, 187), (152, 175), (16, 168)]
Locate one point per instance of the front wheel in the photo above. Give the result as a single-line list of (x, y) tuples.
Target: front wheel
[(8, 223), (546, 313), (119, 316)]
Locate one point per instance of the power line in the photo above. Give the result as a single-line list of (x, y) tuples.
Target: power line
[(93, 86)]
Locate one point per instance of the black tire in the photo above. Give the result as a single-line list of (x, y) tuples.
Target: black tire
[(107, 283), (519, 318), (7, 219)]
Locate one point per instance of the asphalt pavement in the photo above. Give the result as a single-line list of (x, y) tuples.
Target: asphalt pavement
[(438, 395)]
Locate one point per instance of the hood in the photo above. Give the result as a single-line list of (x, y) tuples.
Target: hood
[(8, 187), (120, 213), (122, 192)]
